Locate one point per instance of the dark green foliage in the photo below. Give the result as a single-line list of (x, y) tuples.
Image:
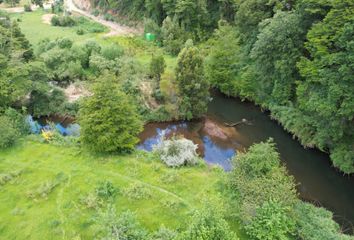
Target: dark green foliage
[(9, 134), (257, 178), (173, 37), (106, 190), (272, 222), (58, 6), (157, 67), (18, 121), (327, 95), (294, 58), (314, 223), (105, 125), (63, 21), (223, 64), (274, 64), (193, 86), (65, 60), (27, 8), (38, 2), (208, 223), (112, 52), (47, 102)]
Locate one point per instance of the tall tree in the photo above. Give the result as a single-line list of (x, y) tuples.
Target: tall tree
[(108, 119), (275, 53), (193, 86), (327, 93)]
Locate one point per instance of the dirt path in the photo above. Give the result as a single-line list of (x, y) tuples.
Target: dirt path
[(115, 28)]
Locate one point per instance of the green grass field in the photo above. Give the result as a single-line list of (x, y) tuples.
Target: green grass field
[(35, 29), (58, 213), (32, 26)]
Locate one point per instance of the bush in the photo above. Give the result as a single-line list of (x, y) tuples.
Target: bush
[(80, 31), (208, 223), (63, 21), (272, 222), (137, 191), (90, 26), (177, 152), (163, 234), (124, 226), (108, 17), (112, 52), (95, 12), (18, 120), (27, 8), (9, 134), (314, 223), (106, 190)]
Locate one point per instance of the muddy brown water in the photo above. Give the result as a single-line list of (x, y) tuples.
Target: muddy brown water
[(318, 182)]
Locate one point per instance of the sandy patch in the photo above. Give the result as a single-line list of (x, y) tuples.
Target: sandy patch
[(75, 91), (46, 18)]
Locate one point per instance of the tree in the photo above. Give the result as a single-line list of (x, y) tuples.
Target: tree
[(193, 86), (276, 65), (223, 64), (38, 3), (172, 36), (108, 119), (157, 67), (327, 93)]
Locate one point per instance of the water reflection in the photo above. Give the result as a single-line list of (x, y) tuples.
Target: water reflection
[(214, 151)]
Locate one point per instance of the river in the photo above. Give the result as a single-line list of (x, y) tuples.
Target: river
[(318, 181)]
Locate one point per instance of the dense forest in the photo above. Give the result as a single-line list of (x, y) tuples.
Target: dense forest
[(292, 57)]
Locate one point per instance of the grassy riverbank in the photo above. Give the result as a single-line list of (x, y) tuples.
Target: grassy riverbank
[(167, 196)]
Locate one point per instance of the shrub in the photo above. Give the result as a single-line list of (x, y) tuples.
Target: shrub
[(18, 121), (90, 26), (27, 8), (7, 177), (137, 191), (91, 201), (163, 234), (106, 190), (177, 152), (314, 223), (108, 17), (112, 52), (9, 134), (63, 21), (272, 222), (95, 12), (124, 226), (208, 223), (257, 177), (80, 31)]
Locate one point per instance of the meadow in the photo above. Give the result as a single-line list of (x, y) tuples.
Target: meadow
[(45, 190)]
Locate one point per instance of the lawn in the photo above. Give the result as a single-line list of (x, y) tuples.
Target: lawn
[(35, 29), (30, 211)]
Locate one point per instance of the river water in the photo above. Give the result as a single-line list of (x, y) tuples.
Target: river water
[(318, 181)]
